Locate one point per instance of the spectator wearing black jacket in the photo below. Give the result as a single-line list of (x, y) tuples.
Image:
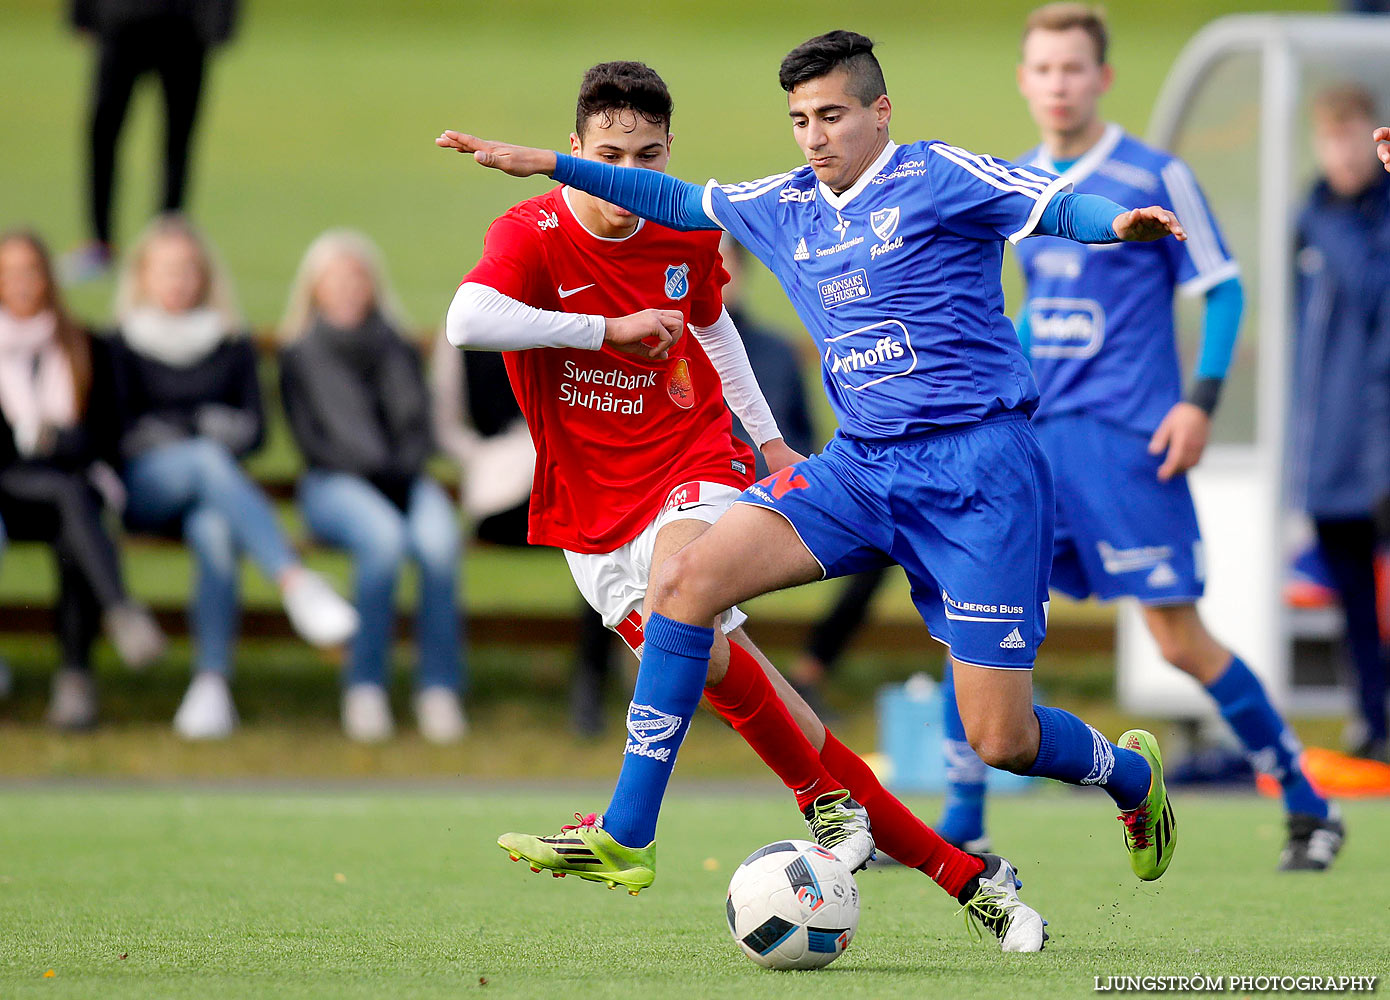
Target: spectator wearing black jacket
[(188, 405), (170, 38), (358, 406), (51, 426)]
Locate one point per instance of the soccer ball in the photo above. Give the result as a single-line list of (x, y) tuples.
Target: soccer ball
[(793, 905)]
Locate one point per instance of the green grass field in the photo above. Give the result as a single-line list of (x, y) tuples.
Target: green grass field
[(278, 892)]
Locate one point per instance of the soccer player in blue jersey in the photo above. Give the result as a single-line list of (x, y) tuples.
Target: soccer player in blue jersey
[(1114, 421), (891, 255)]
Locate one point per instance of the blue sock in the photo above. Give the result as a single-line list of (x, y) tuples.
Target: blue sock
[(1071, 751), (1270, 743), (963, 817), (670, 681)]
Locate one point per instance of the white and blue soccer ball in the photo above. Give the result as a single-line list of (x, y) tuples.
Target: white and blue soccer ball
[(793, 905)]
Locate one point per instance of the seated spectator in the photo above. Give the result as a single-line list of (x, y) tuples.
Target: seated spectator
[(188, 407), (50, 438), (358, 406), (479, 424)]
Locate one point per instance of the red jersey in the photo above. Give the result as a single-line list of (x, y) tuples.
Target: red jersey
[(614, 432)]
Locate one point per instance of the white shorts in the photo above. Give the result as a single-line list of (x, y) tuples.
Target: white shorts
[(615, 583)]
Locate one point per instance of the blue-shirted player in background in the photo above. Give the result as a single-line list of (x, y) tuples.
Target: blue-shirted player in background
[(891, 255), (1113, 419)]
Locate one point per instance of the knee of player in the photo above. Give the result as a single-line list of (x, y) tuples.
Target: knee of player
[(683, 587), (998, 747), (1182, 648)]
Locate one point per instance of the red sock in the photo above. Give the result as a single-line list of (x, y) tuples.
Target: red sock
[(897, 832), (747, 699)]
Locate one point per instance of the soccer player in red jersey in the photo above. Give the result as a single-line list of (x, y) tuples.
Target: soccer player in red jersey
[(636, 457)]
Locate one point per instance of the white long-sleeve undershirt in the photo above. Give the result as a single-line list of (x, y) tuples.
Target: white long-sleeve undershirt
[(724, 346), (482, 318)]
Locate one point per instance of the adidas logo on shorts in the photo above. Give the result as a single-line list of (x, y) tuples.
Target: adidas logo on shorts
[(1012, 641)]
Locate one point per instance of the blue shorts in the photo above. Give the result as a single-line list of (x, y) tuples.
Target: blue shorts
[(966, 513), (1120, 532)]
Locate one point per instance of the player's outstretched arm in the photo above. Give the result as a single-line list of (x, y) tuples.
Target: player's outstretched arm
[(519, 161), (1089, 218), (651, 194), (1144, 225)]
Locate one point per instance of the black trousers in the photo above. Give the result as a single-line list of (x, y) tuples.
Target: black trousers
[(1349, 548), (168, 47), (39, 503), (830, 635)]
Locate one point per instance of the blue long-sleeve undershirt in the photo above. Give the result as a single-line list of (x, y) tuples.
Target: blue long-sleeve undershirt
[(679, 204), (1220, 327), (651, 194)]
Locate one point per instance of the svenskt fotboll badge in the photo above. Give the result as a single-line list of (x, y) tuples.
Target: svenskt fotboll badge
[(677, 281)]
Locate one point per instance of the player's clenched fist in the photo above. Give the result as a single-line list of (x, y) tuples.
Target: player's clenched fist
[(519, 161), (1143, 225), (651, 332)]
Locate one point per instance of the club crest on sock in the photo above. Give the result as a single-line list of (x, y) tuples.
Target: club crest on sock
[(647, 726)]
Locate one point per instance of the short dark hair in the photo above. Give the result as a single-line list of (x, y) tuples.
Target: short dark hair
[(612, 87), (822, 55)]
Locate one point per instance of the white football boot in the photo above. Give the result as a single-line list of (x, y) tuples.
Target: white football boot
[(991, 899), (841, 826)]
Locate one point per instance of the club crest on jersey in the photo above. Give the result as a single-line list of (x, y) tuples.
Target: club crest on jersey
[(884, 222), (679, 386), (677, 281)]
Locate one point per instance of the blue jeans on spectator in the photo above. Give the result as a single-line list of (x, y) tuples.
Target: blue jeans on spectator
[(197, 485), (347, 512)]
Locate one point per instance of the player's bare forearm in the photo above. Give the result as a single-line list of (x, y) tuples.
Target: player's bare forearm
[(1144, 225), (778, 455), (519, 161)]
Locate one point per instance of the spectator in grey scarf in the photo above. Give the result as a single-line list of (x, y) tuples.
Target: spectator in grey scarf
[(355, 394)]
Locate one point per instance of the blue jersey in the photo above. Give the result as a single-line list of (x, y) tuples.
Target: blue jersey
[(897, 281), (1100, 317)]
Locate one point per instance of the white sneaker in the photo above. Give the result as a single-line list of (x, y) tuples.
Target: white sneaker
[(439, 714), (73, 704), (991, 899), (135, 634), (317, 611), (367, 714), (841, 826), (207, 711)]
